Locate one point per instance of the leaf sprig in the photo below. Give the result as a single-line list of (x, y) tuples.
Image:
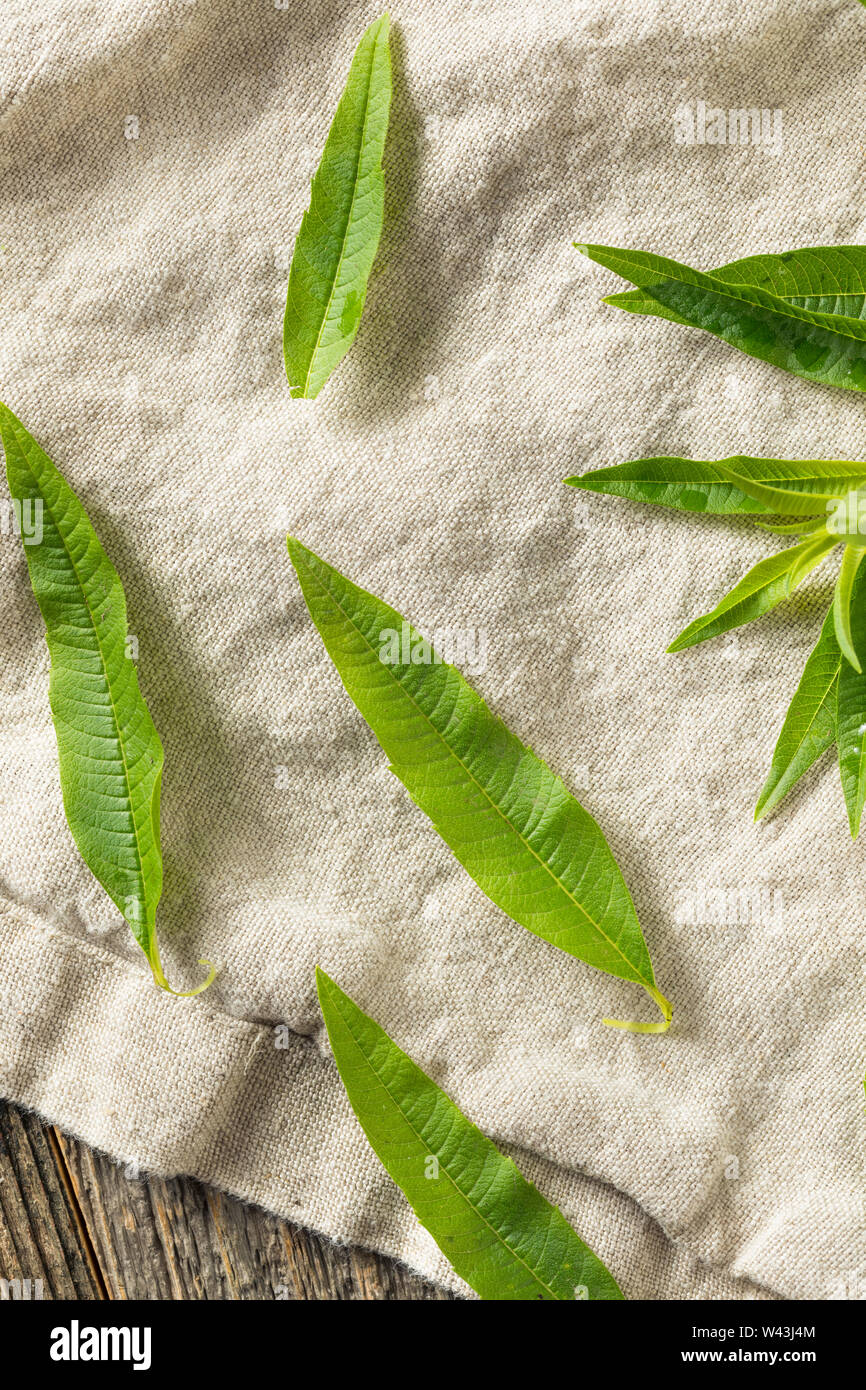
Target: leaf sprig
[(827, 500), (803, 311)]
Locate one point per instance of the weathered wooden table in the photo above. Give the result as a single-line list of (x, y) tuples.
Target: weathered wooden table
[(76, 1226)]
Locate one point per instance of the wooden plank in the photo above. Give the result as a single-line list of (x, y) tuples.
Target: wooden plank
[(42, 1238), (175, 1238), (90, 1229)]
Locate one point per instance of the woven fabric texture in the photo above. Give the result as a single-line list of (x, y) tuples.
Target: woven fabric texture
[(155, 166)]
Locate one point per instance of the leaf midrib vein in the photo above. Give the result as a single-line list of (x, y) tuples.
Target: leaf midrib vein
[(822, 704)]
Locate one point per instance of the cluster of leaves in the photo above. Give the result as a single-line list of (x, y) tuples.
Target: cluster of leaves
[(507, 818), (510, 822), (538, 855), (110, 753), (804, 311)]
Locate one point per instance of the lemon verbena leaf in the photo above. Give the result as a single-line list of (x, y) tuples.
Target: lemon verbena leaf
[(495, 1228), (511, 823), (109, 751), (766, 584), (705, 485), (828, 348), (810, 724), (340, 231)]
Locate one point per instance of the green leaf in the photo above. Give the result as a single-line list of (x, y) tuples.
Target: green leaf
[(851, 557), (109, 752), (766, 584), (822, 347), (810, 724), (340, 231), (493, 1226), (705, 485), (512, 825), (827, 279), (813, 495), (851, 711), (807, 526)]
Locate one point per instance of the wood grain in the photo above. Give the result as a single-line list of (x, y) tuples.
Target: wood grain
[(77, 1225)]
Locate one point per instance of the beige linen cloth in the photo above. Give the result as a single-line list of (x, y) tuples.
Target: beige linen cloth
[(154, 166)]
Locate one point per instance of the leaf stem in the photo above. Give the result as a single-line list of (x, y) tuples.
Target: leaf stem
[(159, 975), (665, 1006)]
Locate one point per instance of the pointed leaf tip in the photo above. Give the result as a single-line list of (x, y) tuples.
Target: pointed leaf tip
[(297, 550)]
